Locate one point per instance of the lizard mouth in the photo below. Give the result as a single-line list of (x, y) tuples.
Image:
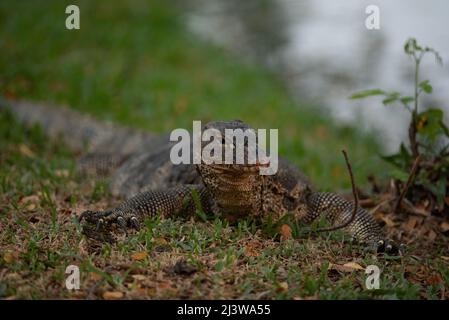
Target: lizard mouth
[(239, 168)]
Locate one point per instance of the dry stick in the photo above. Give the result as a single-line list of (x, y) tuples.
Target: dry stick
[(407, 185), (356, 200)]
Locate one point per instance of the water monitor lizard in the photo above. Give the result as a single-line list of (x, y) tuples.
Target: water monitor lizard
[(141, 171)]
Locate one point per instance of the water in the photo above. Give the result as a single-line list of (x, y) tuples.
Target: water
[(328, 53)]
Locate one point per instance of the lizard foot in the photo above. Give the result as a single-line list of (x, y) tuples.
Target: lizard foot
[(390, 247), (104, 219)]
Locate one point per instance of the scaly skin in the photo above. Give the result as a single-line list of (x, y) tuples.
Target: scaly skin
[(155, 186)]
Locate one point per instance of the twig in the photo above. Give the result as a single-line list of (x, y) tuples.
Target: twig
[(356, 200), (407, 185)]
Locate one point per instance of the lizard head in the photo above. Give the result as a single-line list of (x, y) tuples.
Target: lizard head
[(233, 179), (237, 139)]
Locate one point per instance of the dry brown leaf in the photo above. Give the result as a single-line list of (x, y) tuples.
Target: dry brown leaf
[(445, 258), (112, 295), (286, 232), (31, 207), (378, 215), (62, 173), (30, 199), (164, 285), (420, 211), (444, 226), (434, 279), (95, 276), (138, 277), (139, 293), (160, 241), (423, 208), (25, 150), (388, 222), (138, 256), (446, 199), (10, 256), (353, 265), (250, 251), (283, 286), (411, 224), (342, 268), (432, 235)]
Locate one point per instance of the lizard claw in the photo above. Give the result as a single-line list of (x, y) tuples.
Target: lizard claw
[(121, 222), (100, 224), (134, 222), (86, 215), (102, 219), (390, 247)]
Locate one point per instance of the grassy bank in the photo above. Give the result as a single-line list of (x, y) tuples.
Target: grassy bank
[(137, 65)]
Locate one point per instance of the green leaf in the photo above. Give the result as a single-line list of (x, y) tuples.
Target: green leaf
[(367, 93), (437, 188), (399, 175), (429, 124), (438, 58), (407, 99), (411, 46), (391, 97), (408, 46), (401, 160), (425, 86)]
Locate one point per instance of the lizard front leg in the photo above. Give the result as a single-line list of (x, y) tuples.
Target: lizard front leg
[(337, 210), (175, 201)]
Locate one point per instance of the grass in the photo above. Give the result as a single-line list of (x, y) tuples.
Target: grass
[(137, 65), (134, 63)]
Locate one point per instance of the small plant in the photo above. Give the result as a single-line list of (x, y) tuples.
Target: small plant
[(427, 154)]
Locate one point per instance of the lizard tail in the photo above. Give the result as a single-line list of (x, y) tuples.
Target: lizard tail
[(104, 147), (82, 133)]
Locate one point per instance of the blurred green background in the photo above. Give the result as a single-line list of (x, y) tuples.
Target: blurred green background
[(136, 63)]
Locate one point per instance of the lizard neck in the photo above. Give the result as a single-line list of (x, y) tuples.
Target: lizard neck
[(236, 194)]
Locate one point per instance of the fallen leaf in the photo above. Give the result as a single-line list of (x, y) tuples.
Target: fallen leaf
[(420, 211), (422, 208), (446, 199), (444, 226), (30, 202), (388, 222), (139, 293), (250, 251), (95, 276), (138, 256), (432, 235), (10, 256), (445, 258), (62, 173), (434, 280), (160, 241), (31, 207), (286, 232), (341, 268), (411, 224), (23, 149), (354, 265), (282, 287), (112, 295), (138, 277), (30, 199), (163, 285)]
